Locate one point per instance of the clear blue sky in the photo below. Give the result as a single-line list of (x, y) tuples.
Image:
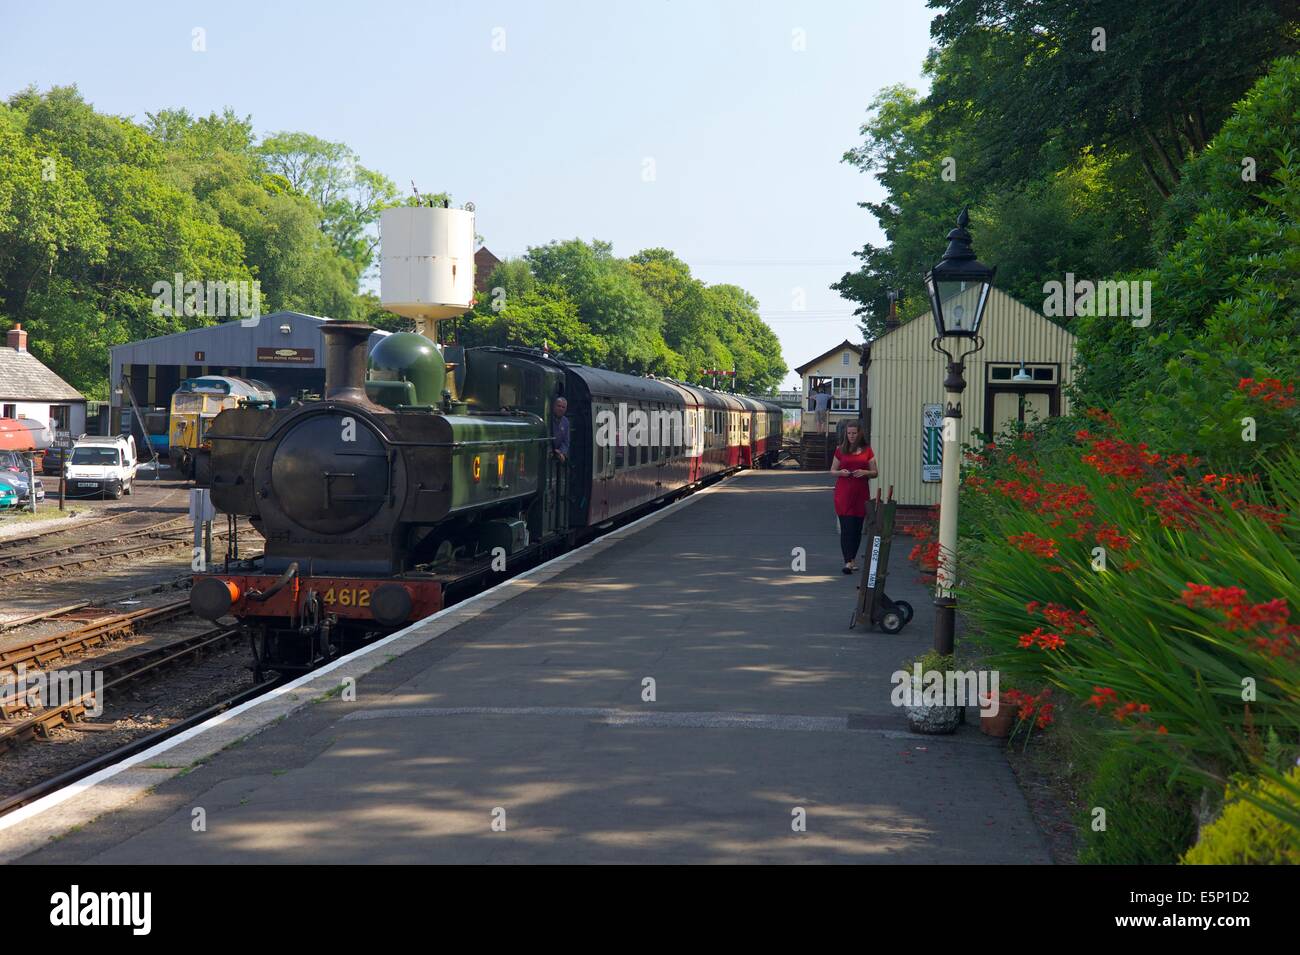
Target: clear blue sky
[(549, 137)]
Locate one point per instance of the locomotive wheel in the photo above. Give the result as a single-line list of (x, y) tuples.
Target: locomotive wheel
[(891, 621)]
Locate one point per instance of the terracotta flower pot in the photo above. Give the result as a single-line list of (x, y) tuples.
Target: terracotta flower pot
[(1001, 724)]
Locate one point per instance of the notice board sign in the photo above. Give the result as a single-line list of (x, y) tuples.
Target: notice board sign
[(932, 443), (286, 356)]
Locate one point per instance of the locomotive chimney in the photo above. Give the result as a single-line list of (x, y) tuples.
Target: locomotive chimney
[(347, 347)]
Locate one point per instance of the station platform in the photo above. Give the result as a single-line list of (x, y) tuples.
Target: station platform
[(513, 728)]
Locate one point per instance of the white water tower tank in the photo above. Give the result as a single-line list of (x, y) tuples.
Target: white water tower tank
[(426, 265)]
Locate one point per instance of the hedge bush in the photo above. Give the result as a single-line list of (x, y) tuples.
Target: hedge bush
[(1150, 817), (1246, 833)]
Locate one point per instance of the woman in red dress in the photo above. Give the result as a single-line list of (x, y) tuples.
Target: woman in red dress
[(855, 466)]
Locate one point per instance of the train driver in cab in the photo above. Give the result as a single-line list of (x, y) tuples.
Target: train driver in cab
[(560, 429)]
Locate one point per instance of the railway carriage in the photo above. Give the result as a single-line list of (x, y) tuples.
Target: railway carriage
[(762, 444)]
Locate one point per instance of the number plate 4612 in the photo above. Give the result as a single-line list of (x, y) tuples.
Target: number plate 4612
[(348, 596)]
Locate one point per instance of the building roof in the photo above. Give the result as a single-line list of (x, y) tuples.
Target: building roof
[(24, 378), (484, 264), (856, 349), (232, 344)]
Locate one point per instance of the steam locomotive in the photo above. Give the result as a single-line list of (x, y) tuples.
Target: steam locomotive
[(397, 489)]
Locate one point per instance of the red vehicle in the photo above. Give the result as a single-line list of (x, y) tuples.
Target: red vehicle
[(760, 433)]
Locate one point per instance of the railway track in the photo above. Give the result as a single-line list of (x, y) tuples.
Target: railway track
[(44, 650), (85, 552), (9, 542), (148, 661), (7, 560), (55, 783)]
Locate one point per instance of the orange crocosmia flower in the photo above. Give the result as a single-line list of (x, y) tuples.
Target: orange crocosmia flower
[(1031, 543)]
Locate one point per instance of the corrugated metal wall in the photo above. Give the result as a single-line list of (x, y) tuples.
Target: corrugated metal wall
[(905, 375)]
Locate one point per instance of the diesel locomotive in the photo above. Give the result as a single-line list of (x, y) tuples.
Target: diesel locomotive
[(421, 471)]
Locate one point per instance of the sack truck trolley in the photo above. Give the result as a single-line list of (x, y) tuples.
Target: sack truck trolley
[(874, 608)]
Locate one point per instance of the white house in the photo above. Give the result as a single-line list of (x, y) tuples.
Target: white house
[(30, 390)]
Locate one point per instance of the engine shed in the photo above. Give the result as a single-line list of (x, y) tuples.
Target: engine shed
[(283, 349)]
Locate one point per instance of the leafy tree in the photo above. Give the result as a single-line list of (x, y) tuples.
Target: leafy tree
[(1156, 83), (1063, 152), (692, 324), (755, 347), (610, 302), (349, 195), (1224, 299), (542, 316), (95, 210)]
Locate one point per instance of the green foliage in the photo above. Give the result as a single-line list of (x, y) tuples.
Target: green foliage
[(541, 316), (1200, 687), (96, 210), (1035, 230), (931, 660), (1150, 816), (1064, 152), (1226, 297), (1040, 83), (349, 196), (1246, 834), (643, 315), (1237, 171)]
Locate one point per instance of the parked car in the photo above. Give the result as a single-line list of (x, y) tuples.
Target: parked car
[(52, 463), (13, 471), (102, 465), (8, 496), (18, 484)]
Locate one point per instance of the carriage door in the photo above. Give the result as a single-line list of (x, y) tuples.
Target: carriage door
[(602, 465)]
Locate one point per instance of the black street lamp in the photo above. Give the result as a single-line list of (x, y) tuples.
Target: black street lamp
[(958, 287)]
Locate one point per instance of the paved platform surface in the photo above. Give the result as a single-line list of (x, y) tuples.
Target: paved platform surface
[(531, 716)]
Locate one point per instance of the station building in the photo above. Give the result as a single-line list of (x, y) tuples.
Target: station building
[(28, 389), (894, 385), (1022, 374), (838, 373), (283, 349)]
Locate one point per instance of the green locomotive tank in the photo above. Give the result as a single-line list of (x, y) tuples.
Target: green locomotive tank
[(383, 475)]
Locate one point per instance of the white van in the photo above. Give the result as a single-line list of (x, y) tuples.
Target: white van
[(101, 465)]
